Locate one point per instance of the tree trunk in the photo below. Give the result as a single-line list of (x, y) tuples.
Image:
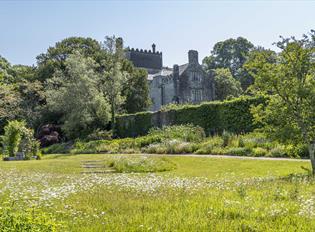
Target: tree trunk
[(113, 116), (311, 150)]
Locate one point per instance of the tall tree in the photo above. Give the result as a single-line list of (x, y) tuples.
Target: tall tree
[(231, 54), (113, 76), (290, 84), (54, 59), (75, 96), (10, 101)]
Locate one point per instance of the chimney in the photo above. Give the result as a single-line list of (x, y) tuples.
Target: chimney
[(153, 48), (176, 71), (193, 57)]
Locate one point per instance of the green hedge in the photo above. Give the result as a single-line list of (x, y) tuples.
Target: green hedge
[(215, 117)]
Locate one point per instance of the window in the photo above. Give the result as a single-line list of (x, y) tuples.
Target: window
[(196, 95), (196, 76)]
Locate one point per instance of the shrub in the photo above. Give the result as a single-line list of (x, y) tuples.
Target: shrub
[(219, 151), (259, 151), (241, 142), (18, 138), (147, 140), (241, 151), (252, 140), (158, 148), (209, 145), (227, 138), (187, 133), (171, 147), (12, 137), (100, 135), (58, 148), (278, 151), (297, 150), (97, 146)]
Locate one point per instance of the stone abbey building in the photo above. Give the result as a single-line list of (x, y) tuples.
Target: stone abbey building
[(187, 83)]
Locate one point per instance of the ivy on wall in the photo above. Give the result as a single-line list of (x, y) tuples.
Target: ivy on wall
[(215, 117)]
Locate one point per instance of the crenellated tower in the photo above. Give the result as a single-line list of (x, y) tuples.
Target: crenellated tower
[(150, 60)]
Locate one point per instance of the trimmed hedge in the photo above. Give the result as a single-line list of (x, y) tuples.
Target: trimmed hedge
[(214, 117)]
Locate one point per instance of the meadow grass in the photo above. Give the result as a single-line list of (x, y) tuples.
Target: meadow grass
[(198, 194)]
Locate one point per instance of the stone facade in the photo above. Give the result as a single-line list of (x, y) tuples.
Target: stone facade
[(187, 83)]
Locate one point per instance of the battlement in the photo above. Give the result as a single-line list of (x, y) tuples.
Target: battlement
[(145, 51), (150, 60)]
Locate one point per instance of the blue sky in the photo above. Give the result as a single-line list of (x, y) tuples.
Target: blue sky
[(28, 28)]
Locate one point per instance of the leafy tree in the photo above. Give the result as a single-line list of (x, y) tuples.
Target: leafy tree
[(21, 94), (246, 78), (9, 104), (136, 92), (290, 84), (114, 76), (55, 57), (5, 69), (231, 54), (75, 95), (225, 85)]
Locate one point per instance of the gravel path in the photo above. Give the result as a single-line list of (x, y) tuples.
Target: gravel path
[(233, 157)]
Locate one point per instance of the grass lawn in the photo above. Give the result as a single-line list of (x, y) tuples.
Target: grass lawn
[(85, 193)]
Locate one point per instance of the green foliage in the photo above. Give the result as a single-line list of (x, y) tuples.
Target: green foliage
[(231, 54), (210, 145), (239, 151), (20, 93), (100, 135), (171, 147), (12, 137), (214, 117), (172, 139), (278, 151), (142, 164), (77, 97), (19, 138), (187, 133), (9, 105), (227, 138), (114, 77), (55, 57), (26, 220), (225, 85), (259, 151), (58, 148), (187, 139), (289, 80), (136, 92)]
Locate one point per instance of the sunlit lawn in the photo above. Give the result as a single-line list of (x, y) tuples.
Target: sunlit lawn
[(201, 194)]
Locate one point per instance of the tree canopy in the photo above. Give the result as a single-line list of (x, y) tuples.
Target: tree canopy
[(288, 78), (230, 54), (225, 85)]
